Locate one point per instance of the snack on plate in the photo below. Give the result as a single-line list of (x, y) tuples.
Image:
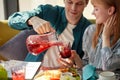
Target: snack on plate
[(59, 74), (71, 74), (42, 78), (48, 75), (64, 69)]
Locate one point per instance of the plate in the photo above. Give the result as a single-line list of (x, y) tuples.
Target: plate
[(58, 74), (48, 75), (69, 76)]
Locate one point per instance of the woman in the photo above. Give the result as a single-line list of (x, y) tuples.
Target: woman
[(101, 43), (105, 47)]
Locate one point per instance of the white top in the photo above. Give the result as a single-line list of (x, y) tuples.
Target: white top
[(101, 57), (52, 54)]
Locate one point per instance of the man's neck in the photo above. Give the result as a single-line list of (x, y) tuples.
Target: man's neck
[(73, 21)]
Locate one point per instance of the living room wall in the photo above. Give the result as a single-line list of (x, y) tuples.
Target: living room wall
[(31, 4)]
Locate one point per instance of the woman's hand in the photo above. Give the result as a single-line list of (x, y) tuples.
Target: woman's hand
[(40, 26), (108, 30), (73, 61)]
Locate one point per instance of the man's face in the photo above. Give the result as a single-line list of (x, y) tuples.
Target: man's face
[(74, 9)]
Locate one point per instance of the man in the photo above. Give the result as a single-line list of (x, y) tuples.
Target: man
[(68, 22)]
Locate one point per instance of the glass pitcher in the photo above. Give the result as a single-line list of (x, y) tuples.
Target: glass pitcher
[(39, 43)]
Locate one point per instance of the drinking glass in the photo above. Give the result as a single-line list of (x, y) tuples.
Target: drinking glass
[(18, 72), (107, 75), (65, 49)]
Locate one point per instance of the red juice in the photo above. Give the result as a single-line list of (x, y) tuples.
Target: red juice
[(65, 50), (65, 53), (54, 78), (18, 76), (39, 43), (36, 44), (38, 47)]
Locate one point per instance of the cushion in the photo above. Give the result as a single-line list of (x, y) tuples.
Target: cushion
[(15, 48)]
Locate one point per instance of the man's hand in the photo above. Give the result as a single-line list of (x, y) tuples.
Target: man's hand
[(73, 61), (40, 26)]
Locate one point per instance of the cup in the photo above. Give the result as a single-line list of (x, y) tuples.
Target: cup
[(65, 49), (18, 72), (107, 75)]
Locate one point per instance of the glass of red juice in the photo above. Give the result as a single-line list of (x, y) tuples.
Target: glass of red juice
[(65, 49), (18, 72)]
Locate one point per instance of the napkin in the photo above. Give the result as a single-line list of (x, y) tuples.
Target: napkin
[(89, 72)]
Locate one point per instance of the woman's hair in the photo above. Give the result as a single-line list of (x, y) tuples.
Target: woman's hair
[(116, 27)]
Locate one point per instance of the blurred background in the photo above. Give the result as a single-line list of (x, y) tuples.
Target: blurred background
[(8, 7)]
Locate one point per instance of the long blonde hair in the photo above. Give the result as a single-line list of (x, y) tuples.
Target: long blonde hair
[(116, 27)]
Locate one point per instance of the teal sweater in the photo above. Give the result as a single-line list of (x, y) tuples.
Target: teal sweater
[(56, 16)]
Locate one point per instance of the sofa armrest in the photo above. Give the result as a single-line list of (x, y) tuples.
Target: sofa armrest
[(92, 21), (15, 48), (6, 32)]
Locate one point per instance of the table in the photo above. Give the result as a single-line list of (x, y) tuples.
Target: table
[(31, 67)]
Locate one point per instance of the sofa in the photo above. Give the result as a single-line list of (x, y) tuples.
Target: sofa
[(6, 33), (13, 42)]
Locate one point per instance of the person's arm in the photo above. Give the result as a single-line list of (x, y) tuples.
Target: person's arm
[(41, 26), (110, 53), (77, 60), (111, 58), (73, 61), (19, 20), (87, 43)]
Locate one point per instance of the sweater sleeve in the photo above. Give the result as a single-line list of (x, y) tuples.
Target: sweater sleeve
[(87, 42), (110, 58), (18, 20)]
